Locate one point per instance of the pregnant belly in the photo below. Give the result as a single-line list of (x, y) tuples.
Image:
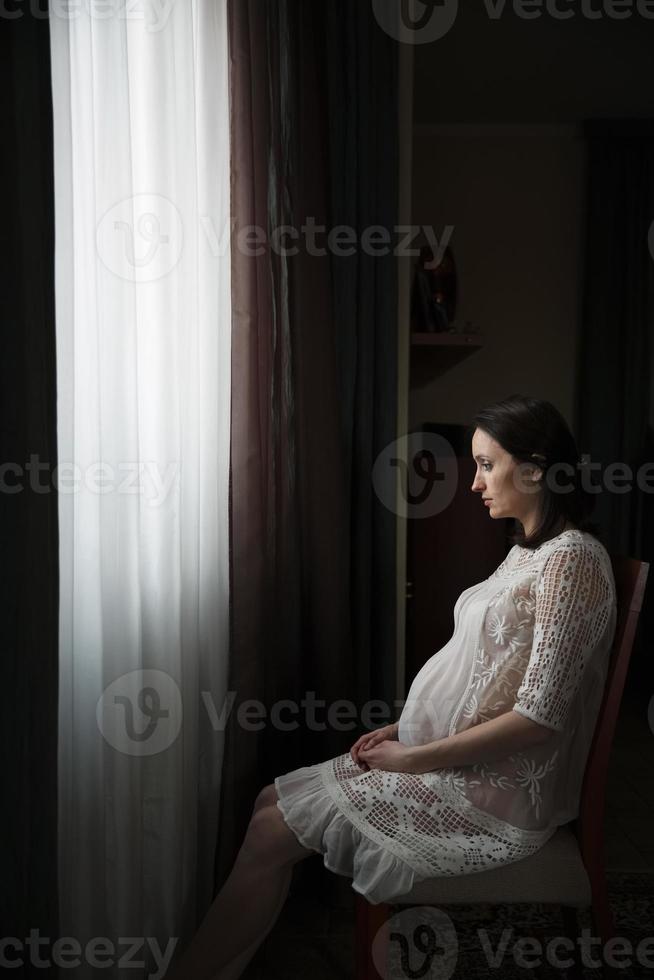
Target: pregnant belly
[(434, 696)]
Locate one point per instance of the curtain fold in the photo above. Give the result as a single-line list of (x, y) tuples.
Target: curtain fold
[(143, 314), (361, 70), (314, 348), (28, 501), (615, 401)]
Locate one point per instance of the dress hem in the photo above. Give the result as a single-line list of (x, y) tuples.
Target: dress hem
[(310, 801)]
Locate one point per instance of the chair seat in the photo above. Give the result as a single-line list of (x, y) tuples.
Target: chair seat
[(554, 874)]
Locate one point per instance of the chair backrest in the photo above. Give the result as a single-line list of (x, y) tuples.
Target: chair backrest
[(630, 580)]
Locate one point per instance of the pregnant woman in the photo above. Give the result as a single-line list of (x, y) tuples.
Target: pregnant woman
[(488, 755)]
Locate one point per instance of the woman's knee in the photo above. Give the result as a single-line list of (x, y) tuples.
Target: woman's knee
[(267, 797), (269, 841)]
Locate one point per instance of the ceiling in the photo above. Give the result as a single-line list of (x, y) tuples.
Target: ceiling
[(509, 69)]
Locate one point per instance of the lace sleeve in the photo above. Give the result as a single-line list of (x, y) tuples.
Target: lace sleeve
[(573, 603)]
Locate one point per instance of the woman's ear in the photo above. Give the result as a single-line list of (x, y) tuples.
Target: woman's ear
[(537, 472)]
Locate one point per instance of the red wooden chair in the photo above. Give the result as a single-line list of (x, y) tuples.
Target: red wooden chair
[(568, 870)]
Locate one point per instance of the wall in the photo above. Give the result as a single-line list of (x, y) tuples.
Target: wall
[(514, 193)]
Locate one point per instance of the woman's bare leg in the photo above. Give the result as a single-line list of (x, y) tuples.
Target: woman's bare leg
[(249, 902), (237, 966)]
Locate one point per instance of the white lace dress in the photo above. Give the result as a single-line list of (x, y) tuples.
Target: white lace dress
[(534, 638)]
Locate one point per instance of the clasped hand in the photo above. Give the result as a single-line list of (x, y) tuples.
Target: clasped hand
[(382, 750)]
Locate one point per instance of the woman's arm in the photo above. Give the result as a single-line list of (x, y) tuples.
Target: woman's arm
[(495, 739)]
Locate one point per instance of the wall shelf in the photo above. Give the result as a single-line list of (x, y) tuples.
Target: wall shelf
[(432, 354)]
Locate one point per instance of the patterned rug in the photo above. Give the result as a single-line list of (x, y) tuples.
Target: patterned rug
[(486, 941)]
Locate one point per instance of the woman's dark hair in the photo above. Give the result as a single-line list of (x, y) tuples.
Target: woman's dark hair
[(535, 432)]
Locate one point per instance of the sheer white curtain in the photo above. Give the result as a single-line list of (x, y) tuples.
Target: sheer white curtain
[(141, 133)]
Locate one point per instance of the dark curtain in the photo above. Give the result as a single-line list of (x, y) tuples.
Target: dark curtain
[(314, 141), (29, 581), (615, 408), (361, 72)]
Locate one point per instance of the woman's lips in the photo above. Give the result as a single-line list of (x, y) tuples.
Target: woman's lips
[(488, 500)]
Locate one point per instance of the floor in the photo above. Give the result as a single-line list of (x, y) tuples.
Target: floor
[(314, 936)]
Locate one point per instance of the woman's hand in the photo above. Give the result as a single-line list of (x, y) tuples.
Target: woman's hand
[(370, 739), (390, 756)]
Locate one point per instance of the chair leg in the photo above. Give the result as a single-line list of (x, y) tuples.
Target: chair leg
[(603, 923), (369, 920)]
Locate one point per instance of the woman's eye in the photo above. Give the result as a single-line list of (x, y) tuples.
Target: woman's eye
[(485, 465)]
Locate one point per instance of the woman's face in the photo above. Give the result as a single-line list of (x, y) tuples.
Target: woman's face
[(512, 489)]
